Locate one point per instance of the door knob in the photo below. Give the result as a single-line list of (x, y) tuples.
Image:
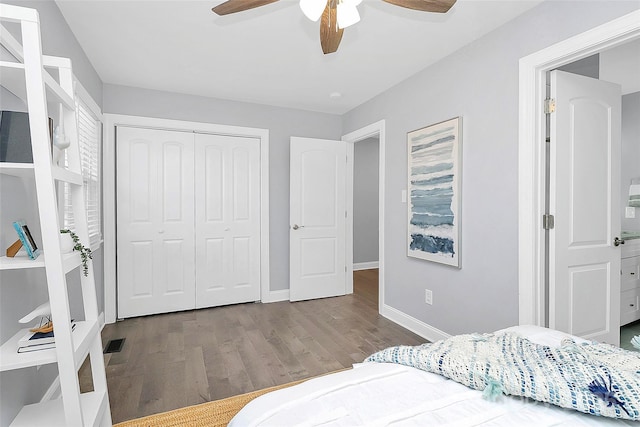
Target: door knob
[(296, 226), (617, 241)]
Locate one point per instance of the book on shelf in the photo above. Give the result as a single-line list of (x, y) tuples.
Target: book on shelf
[(38, 339), (31, 348)]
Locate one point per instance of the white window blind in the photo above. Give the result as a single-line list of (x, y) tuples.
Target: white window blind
[(90, 144)]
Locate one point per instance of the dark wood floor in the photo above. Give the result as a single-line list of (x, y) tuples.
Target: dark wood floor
[(179, 359)]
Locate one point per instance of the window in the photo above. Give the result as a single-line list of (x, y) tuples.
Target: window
[(90, 145)]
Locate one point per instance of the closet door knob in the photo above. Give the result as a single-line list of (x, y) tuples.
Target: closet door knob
[(617, 241)]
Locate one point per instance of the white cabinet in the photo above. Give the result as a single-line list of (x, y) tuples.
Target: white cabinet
[(27, 78), (630, 282)]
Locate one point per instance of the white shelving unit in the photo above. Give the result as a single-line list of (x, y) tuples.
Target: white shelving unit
[(29, 79)]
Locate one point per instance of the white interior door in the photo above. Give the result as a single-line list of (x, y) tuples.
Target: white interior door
[(155, 221), (227, 170), (317, 235), (584, 274)]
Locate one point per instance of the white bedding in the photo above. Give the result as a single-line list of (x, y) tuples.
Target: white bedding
[(375, 394)]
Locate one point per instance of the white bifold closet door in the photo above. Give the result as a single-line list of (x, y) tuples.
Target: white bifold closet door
[(188, 220), (227, 219), (155, 250)]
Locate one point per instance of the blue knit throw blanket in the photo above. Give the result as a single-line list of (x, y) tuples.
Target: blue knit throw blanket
[(594, 378)]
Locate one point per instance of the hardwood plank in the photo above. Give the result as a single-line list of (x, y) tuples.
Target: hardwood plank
[(174, 393), (197, 384)]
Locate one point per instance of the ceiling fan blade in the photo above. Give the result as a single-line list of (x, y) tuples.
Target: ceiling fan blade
[(330, 34), (438, 6), (233, 6)]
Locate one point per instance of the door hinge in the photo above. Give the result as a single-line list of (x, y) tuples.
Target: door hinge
[(548, 221), (549, 106), (345, 214)]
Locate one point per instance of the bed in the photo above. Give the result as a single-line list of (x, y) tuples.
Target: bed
[(380, 393)]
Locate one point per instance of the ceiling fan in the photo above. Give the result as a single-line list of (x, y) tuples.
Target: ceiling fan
[(336, 14)]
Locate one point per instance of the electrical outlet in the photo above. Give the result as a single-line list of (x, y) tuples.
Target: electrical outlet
[(630, 212), (428, 296)]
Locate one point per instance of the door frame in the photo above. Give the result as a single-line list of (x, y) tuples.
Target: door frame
[(109, 193), (531, 157), (374, 129)]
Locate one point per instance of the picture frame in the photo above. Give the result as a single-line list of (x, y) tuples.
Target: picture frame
[(434, 156), (24, 234)]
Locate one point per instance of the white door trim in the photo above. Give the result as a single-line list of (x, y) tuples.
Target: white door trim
[(374, 129), (531, 162), (109, 192)]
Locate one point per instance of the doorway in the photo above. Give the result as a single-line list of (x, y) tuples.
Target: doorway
[(371, 134), (533, 69), (365, 203)]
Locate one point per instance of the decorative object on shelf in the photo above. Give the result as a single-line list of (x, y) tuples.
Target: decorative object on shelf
[(66, 243), (43, 309), (15, 137), (14, 248), (45, 327), (26, 239), (60, 139), (85, 253), (40, 338), (435, 156)]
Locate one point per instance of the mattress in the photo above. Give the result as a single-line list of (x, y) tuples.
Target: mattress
[(381, 394)]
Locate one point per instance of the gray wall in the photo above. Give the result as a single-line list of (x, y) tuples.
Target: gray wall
[(282, 123), (479, 83), (365, 200), (630, 167), (22, 291)]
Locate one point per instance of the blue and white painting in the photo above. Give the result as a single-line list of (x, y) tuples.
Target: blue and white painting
[(434, 188)]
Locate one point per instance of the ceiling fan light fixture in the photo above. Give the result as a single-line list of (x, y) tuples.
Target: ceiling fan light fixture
[(347, 14), (313, 9)]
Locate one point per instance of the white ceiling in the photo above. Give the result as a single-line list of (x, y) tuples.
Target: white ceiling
[(271, 55)]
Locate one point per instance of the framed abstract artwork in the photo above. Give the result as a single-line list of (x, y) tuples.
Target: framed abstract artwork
[(435, 177)]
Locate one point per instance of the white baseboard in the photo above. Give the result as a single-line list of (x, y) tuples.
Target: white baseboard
[(365, 265), (276, 296), (414, 325)]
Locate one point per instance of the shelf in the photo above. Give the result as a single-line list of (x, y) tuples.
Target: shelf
[(25, 170), (21, 170), (49, 83), (70, 261), (65, 175), (10, 359), (51, 413), (13, 79)]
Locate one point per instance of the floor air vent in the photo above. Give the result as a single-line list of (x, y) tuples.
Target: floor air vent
[(114, 346)]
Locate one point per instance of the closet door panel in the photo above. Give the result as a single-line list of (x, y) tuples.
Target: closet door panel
[(213, 185), (214, 265), (228, 210), (155, 191)]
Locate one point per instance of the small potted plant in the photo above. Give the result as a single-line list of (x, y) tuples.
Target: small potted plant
[(85, 253)]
